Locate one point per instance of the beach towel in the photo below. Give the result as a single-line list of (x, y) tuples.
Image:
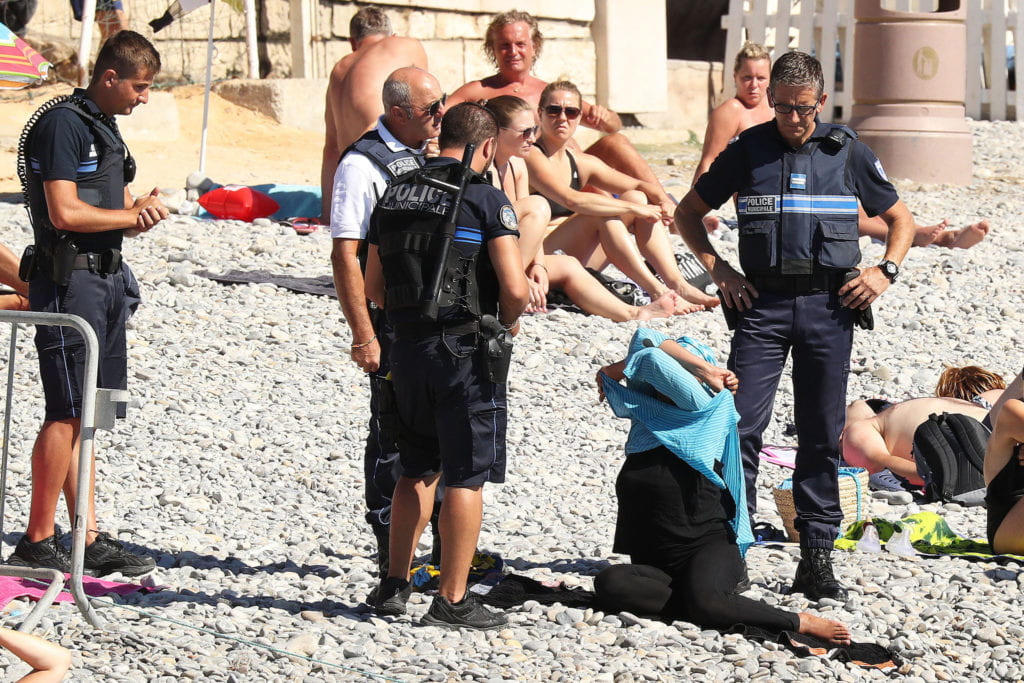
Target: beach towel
[(322, 285), (12, 587), (929, 535), (698, 426), (292, 200), (783, 456)]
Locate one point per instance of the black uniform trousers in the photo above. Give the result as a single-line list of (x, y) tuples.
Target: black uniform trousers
[(381, 466), (818, 331)]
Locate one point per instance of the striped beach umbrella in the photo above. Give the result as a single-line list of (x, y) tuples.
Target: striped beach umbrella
[(20, 65)]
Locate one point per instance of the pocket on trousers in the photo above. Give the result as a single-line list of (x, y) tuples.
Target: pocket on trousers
[(839, 245)]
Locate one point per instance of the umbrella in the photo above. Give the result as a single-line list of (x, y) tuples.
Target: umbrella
[(20, 65)]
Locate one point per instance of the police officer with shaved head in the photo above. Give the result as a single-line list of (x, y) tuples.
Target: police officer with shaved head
[(798, 182)]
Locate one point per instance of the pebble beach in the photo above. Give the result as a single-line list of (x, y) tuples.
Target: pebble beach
[(239, 469)]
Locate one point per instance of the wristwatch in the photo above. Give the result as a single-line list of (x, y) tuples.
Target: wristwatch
[(889, 269)]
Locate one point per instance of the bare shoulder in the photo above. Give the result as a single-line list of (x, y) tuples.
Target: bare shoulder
[(469, 92), (730, 115), (410, 47)]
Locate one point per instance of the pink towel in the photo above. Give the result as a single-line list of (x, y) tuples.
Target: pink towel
[(12, 587), (784, 456)]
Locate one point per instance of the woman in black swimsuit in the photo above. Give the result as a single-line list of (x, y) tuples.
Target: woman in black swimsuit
[(595, 228), (1004, 475)]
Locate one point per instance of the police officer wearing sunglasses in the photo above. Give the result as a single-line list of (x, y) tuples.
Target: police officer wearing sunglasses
[(798, 182)]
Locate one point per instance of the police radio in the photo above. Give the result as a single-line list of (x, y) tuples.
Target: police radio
[(446, 235)]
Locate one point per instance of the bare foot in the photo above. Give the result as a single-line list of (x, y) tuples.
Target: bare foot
[(965, 237), (826, 629), (711, 223), (662, 307), (926, 234), (684, 307), (695, 296)]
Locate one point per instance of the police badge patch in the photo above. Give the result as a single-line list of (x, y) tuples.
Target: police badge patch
[(507, 216), (881, 171)]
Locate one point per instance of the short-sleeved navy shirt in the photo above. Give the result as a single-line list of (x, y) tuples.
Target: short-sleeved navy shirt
[(864, 173), (486, 214)]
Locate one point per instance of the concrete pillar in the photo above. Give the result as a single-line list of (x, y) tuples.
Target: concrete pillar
[(632, 68), (909, 89)]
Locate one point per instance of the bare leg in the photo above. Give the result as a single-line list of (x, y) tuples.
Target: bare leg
[(55, 468), (826, 629), (653, 242), (461, 516), (567, 274), (49, 661), (618, 152), (875, 228), (1002, 445), (534, 214), (411, 507)]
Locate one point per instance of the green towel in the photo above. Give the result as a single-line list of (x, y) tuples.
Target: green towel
[(929, 534)]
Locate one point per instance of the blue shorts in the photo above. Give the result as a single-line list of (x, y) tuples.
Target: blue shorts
[(101, 6), (105, 302), (452, 418)]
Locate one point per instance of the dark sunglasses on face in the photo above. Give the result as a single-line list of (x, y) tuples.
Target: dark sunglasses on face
[(800, 109), (555, 110), (525, 133), (434, 108)]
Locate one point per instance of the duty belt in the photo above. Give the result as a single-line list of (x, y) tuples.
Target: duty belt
[(821, 281), (416, 330), (102, 262)]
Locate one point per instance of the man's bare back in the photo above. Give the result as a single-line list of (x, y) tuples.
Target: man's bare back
[(354, 97)]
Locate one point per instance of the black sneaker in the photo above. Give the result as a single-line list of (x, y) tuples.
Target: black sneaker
[(107, 556), (470, 613), (47, 553), (389, 598)]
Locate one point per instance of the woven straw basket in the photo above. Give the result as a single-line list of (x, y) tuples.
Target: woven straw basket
[(854, 498)]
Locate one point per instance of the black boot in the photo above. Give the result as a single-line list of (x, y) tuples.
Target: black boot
[(814, 577), (383, 551)]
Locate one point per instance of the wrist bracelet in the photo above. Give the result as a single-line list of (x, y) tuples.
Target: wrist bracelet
[(510, 327), (538, 265), (364, 344)]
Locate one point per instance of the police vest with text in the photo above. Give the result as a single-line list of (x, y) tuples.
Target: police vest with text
[(392, 163), (797, 213), (409, 218)]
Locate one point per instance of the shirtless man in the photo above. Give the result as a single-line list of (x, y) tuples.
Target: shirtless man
[(750, 107), (353, 91), (513, 43), (886, 440)]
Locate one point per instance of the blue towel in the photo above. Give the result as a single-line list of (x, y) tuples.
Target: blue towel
[(293, 200), (698, 426)]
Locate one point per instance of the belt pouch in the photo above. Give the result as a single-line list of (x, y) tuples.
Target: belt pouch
[(28, 265), (64, 254)]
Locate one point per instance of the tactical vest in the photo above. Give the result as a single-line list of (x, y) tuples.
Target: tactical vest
[(409, 218), (394, 164), (102, 187), (796, 213)]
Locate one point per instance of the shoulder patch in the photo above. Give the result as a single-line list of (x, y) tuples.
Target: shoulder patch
[(507, 216), (881, 171)]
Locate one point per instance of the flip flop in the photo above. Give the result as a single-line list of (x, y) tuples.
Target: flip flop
[(304, 225)]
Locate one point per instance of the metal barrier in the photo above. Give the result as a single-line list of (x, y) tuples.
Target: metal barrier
[(98, 412)]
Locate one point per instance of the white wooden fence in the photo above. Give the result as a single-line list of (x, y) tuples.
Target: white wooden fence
[(821, 27)]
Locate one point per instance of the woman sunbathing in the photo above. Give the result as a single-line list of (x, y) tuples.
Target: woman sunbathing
[(598, 229), (678, 526), (1004, 473), (515, 139)]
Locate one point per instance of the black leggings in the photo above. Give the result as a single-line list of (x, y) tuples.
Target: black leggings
[(700, 590)]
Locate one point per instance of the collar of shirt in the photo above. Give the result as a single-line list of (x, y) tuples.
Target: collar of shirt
[(393, 143)]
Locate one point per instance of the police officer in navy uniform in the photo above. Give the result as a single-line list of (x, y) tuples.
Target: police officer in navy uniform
[(798, 182), (451, 408), (76, 170), (413, 106)]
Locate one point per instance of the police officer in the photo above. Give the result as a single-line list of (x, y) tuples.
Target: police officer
[(76, 170), (451, 401), (413, 106), (798, 182)]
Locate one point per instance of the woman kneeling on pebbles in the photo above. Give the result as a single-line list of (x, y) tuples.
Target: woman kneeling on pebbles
[(682, 509)]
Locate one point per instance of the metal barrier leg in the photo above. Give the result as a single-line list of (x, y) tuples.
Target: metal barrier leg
[(90, 397)]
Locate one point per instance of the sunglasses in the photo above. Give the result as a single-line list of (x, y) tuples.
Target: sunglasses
[(800, 109), (434, 108), (525, 133), (555, 110)]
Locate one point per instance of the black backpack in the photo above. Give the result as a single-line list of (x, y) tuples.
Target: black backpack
[(949, 451)]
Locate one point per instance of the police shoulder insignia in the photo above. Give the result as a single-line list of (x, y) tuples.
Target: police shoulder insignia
[(881, 171), (507, 216)]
